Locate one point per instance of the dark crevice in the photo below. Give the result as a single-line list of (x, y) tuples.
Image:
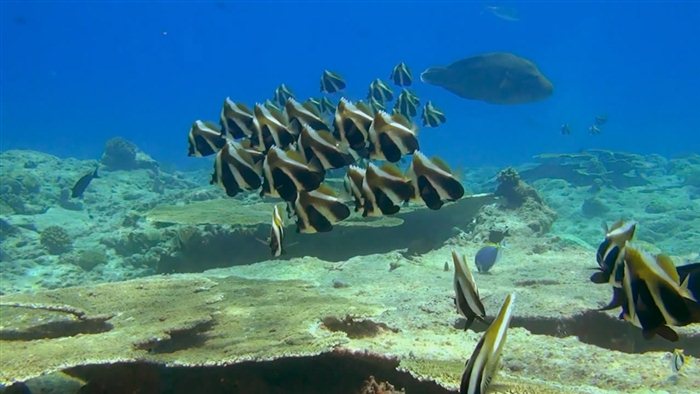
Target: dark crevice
[(179, 339), (599, 329), (333, 373), (356, 328)]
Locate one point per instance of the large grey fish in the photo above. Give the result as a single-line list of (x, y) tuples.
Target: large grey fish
[(497, 78)]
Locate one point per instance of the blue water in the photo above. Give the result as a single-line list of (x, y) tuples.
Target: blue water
[(76, 73)]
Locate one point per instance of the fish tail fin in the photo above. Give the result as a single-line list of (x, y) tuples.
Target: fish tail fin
[(94, 174)]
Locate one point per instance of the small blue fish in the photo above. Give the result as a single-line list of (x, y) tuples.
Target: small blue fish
[(487, 256)]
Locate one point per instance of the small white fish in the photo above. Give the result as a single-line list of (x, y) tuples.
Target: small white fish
[(276, 233), (678, 360)]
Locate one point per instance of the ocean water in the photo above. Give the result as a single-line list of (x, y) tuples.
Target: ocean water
[(177, 289), (76, 73)]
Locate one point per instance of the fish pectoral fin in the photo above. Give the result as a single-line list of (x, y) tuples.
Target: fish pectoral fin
[(664, 331)]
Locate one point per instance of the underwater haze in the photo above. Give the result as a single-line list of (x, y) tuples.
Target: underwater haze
[(77, 73)]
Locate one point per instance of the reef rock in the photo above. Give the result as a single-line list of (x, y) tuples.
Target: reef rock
[(618, 169), (121, 154)]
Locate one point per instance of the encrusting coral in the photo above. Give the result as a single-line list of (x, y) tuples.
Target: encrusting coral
[(56, 240)]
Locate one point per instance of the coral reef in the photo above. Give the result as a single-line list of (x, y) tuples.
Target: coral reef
[(254, 319), (371, 386), (593, 207), (90, 258), (56, 240), (617, 169), (513, 190), (121, 154)]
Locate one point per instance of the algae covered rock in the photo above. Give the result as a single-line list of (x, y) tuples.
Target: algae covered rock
[(122, 154), (56, 240), (514, 190)]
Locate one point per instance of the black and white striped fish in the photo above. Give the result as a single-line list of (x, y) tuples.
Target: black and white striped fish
[(204, 139), (467, 299), (483, 363), (276, 233)]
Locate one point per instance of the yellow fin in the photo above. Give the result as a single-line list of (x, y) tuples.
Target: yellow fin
[(327, 136), (402, 120), (327, 190), (296, 156), (364, 108), (441, 164), (391, 170), (667, 265)]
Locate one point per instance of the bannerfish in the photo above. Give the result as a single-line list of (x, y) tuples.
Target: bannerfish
[(401, 75), (383, 189), (610, 256), (82, 184), (689, 275), (484, 361), (487, 257), (432, 116), (376, 105), (204, 139), (282, 93), (433, 181), (322, 146), (331, 82), (677, 360), (237, 120), (235, 169), (380, 91), (285, 173), (497, 78), (352, 182), (391, 137), (352, 123), (565, 129), (318, 210), (299, 114), (273, 128), (407, 103), (467, 298), (594, 129), (323, 104), (276, 233), (655, 300)]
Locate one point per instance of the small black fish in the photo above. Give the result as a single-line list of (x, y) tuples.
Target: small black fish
[(401, 75), (432, 116), (82, 184), (331, 82)]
